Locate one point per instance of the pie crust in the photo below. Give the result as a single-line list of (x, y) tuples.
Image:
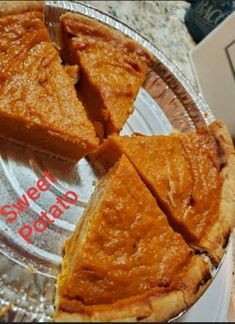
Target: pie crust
[(218, 236), (16, 7)]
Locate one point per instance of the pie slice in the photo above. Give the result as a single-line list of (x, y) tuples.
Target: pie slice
[(38, 102), (113, 67), (192, 176), (124, 262)]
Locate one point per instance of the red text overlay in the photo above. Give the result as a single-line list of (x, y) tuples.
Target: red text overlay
[(11, 211)]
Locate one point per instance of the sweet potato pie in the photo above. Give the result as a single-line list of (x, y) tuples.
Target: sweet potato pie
[(161, 215)]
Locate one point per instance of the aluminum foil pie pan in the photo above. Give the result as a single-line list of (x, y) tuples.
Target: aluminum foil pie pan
[(27, 271)]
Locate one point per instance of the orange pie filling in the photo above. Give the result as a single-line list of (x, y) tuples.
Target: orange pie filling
[(38, 102), (113, 67), (183, 171)]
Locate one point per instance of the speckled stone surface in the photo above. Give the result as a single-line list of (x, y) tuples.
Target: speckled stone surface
[(161, 22)]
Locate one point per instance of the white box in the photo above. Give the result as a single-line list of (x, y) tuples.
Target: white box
[(213, 62)]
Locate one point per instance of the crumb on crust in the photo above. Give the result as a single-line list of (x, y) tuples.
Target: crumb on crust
[(5, 310)]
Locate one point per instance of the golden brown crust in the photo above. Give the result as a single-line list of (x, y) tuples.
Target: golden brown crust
[(215, 241), (108, 33), (14, 7), (159, 308), (189, 286), (194, 279)]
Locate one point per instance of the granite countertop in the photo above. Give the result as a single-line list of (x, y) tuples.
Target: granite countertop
[(161, 22)]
